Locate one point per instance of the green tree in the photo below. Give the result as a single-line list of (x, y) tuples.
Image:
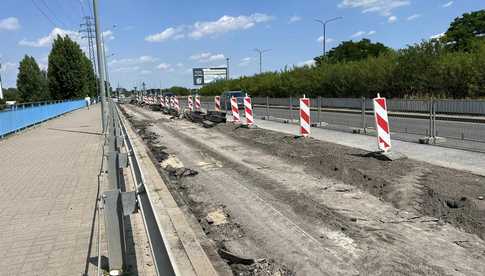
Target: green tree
[(353, 51), (31, 82), (91, 77), (12, 94), (178, 90), (70, 72), (464, 31)]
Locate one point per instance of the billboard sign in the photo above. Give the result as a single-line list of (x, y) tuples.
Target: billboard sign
[(203, 76)]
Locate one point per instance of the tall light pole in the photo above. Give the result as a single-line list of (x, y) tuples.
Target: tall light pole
[(261, 52), (108, 85), (108, 82), (227, 69), (324, 26), (101, 67)]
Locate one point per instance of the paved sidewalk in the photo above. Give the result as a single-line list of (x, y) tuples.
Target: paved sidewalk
[(450, 158), (48, 181)]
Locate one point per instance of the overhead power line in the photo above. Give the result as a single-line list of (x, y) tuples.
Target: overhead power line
[(44, 14), (62, 23)]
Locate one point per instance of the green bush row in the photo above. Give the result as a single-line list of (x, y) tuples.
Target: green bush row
[(418, 71)]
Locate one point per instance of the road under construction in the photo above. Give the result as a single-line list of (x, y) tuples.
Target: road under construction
[(265, 202)]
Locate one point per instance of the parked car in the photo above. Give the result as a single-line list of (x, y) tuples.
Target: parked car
[(226, 99)]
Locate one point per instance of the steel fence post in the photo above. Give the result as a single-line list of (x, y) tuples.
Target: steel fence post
[(434, 121), (319, 110), (430, 127), (291, 109), (364, 124), (267, 107)]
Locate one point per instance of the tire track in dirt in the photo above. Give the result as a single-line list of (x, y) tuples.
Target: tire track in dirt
[(406, 191)]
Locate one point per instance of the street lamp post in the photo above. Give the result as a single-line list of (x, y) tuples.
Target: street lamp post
[(108, 84), (324, 26), (261, 52)]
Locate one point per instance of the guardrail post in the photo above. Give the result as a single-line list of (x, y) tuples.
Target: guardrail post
[(111, 200)]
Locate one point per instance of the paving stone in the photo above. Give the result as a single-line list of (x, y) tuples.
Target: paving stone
[(49, 186)]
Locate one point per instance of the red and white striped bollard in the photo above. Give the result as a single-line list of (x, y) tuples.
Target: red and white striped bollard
[(197, 103), (305, 123), (248, 110), (235, 111), (190, 103), (176, 104), (217, 101), (382, 124)]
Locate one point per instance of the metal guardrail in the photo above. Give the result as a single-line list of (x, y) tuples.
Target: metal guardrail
[(462, 107), (119, 155), (23, 116)]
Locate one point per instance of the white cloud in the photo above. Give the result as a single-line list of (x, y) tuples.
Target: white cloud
[(165, 35), (413, 17), (383, 7), (147, 59), (108, 35), (127, 69), (207, 28), (392, 19), (7, 66), (446, 5), (245, 61), (310, 63), (165, 67), (133, 61), (9, 24), (42, 66), (362, 33), (207, 57), (180, 64), (145, 72), (437, 36), (328, 40), (47, 40), (227, 23), (358, 34), (294, 19)]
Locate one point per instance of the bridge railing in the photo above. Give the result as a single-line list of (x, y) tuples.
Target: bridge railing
[(18, 117)]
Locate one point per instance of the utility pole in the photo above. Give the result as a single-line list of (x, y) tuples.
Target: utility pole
[(227, 69), (87, 31), (101, 66), (324, 26), (261, 52)]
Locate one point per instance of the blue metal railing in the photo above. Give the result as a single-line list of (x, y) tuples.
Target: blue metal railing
[(19, 117)]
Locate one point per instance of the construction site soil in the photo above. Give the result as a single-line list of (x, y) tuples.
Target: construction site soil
[(274, 204)]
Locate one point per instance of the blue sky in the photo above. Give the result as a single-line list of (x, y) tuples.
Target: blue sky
[(159, 42)]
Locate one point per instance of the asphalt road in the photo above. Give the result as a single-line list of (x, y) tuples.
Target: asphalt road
[(463, 135)]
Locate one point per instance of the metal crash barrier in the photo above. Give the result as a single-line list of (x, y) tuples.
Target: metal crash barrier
[(119, 155)]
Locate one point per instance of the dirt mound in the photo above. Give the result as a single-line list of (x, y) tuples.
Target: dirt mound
[(407, 184)]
